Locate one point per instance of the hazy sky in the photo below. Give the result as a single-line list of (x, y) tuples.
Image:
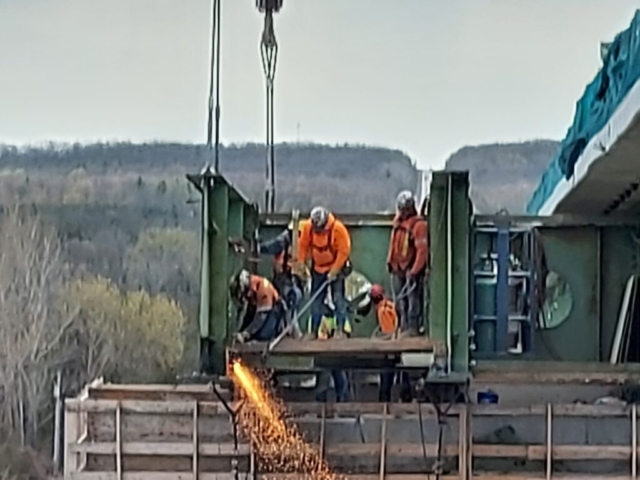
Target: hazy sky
[(424, 76)]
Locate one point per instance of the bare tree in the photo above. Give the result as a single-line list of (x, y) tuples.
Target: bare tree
[(32, 275)]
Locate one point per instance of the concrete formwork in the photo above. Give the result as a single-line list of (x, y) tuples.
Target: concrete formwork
[(185, 433)]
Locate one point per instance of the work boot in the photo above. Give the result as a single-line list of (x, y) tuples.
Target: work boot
[(339, 334)]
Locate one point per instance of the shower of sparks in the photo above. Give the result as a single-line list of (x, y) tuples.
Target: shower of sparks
[(278, 445)]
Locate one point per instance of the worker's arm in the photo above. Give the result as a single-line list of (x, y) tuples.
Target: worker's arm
[(390, 253), (342, 245), (275, 246), (303, 243), (421, 242)]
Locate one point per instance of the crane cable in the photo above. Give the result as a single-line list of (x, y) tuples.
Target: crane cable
[(269, 51), (214, 84)]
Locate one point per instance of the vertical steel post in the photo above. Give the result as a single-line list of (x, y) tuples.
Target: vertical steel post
[(449, 240), (461, 266), (502, 290), (437, 215), (219, 280)]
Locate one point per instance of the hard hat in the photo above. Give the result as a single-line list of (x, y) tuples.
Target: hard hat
[(405, 200), (376, 292), (319, 218), (244, 280)]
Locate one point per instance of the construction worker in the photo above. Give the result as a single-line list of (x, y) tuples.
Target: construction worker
[(262, 306), (385, 311), (387, 325), (327, 330), (407, 262), (326, 242), (289, 284)]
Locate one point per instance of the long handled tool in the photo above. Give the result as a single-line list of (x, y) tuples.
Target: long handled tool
[(303, 310)]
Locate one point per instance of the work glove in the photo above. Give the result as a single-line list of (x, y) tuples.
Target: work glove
[(299, 270), (333, 274), (242, 337), (237, 244)]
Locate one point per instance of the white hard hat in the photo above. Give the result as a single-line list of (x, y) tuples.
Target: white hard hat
[(405, 200), (244, 279), (319, 217)]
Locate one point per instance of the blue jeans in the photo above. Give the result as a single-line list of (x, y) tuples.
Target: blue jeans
[(270, 328), (340, 382), (337, 294)]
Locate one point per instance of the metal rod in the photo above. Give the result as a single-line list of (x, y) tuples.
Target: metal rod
[(549, 452), (634, 441), (196, 468), (463, 446), (218, 28)]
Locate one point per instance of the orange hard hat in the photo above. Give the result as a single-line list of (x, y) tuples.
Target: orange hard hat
[(376, 292)]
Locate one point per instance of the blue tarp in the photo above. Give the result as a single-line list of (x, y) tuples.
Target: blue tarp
[(620, 71)]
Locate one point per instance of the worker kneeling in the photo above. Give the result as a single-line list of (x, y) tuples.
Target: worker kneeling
[(264, 309), (407, 262), (326, 242), (387, 326)]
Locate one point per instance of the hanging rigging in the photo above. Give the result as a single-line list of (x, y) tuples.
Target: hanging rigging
[(214, 84), (269, 52)]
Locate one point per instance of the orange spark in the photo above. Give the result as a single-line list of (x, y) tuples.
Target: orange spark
[(279, 446)]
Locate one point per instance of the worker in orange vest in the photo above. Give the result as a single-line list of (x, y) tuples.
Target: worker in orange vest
[(407, 262), (262, 305), (325, 241), (387, 325)]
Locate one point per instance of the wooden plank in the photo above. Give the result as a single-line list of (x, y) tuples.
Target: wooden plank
[(383, 440), (146, 407), (530, 452), (290, 476), (202, 393), (372, 409), (160, 449), (118, 442), (71, 434), (342, 346)]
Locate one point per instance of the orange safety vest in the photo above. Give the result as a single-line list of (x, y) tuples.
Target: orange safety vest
[(403, 251), (325, 247), (387, 317), (263, 293)]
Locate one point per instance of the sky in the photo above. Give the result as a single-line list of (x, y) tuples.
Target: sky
[(424, 76)]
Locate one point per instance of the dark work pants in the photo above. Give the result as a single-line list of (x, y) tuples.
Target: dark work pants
[(340, 382), (409, 306), (337, 294), (387, 378), (265, 326)]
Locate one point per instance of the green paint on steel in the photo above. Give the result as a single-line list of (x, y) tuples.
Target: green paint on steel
[(572, 254), (369, 249), (225, 215), (461, 240), (438, 238), (218, 320)]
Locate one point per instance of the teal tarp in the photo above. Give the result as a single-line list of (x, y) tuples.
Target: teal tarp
[(620, 71)]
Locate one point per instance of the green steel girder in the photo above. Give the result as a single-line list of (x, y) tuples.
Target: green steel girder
[(449, 239), (226, 215)]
